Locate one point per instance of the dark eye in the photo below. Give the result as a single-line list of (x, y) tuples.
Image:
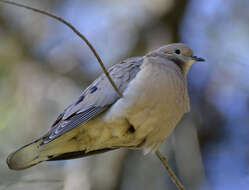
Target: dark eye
[(177, 51)]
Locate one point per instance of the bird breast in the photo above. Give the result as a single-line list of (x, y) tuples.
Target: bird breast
[(153, 102)]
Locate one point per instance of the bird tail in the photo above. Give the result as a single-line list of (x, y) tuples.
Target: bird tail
[(32, 153), (26, 156)]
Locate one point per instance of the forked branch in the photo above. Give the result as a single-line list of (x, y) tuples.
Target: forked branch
[(75, 31)]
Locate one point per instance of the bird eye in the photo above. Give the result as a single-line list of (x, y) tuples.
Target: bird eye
[(177, 51)]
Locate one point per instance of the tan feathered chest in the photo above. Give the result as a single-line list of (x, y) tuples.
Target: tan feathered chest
[(153, 103)]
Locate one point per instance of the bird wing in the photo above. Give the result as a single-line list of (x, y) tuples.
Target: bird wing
[(95, 99)]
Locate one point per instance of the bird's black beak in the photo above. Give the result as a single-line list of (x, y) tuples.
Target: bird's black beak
[(197, 58)]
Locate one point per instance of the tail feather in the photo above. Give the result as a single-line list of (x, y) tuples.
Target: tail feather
[(32, 154), (25, 157)]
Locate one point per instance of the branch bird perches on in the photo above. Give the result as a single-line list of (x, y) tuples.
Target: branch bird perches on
[(172, 175), (157, 153)]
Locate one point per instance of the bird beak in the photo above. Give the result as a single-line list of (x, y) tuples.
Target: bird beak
[(195, 58)]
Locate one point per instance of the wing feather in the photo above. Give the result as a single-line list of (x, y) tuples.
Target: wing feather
[(95, 99)]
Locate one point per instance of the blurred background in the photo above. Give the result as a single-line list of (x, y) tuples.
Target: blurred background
[(44, 67)]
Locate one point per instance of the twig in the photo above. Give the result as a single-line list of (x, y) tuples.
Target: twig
[(170, 171), (76, 32)]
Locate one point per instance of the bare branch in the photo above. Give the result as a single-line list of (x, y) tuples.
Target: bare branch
[(75, 31), (171, 173)]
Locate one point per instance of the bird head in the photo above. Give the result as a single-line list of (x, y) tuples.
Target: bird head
[(179, 53)]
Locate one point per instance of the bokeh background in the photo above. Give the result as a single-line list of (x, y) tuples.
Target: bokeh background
[(44, 67)]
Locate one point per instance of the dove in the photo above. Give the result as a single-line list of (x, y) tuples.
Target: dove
[(155, 97)]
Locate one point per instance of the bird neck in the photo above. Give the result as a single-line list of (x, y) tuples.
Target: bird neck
[(186, 66)]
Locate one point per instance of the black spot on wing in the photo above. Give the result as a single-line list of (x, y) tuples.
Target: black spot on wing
[(81, 98), (93, 89)]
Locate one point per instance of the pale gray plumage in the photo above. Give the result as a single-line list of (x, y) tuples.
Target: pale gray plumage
[(93, 102), (154, 99)]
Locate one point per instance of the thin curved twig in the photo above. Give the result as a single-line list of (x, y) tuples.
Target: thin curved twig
[(75, 31), (173, 177)]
